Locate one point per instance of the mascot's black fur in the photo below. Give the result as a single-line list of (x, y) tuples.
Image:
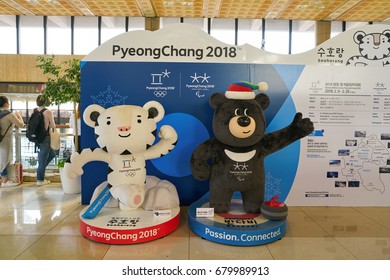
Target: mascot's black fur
[(234, 159)]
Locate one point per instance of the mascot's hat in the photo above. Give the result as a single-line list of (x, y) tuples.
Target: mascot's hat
[(245, 90)]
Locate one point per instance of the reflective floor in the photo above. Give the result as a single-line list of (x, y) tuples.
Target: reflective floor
[(43, 223)]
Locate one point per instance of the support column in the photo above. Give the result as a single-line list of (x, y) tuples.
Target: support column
[(152, 23), (322, 31)]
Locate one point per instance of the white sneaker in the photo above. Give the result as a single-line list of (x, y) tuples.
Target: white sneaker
[(44, 182), (9, 183)]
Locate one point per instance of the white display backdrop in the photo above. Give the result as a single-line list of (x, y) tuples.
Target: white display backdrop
[(346, 161)]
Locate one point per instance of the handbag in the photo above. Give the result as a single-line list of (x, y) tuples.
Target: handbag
[(54, 139), (15, 172)]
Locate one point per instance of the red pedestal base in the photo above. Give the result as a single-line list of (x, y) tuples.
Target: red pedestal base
[(114, 226)]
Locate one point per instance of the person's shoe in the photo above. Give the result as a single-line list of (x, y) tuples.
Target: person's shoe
[(44, 182), (9, 183)]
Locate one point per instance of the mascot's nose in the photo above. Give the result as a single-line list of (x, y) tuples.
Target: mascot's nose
[(243, 121), (123, 128)]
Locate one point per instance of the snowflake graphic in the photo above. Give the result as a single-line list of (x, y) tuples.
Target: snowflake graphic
[(108, 98), (272, 186)]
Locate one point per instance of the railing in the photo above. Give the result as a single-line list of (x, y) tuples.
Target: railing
[(24, 151)]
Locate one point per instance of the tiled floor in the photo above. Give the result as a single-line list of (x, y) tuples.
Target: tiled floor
[(43, 223)]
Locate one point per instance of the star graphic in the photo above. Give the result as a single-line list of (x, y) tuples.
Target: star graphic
[(195, 78), (108, 98), (205, 78), (236, 166), (166, 73)]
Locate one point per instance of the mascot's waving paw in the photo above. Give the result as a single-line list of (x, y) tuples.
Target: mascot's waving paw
[(168, 133), (303, 126), (73, 170)]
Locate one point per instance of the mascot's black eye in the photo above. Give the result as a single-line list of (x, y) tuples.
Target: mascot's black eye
[(238, 112), (139, 121), (108, 122), (246, 112)]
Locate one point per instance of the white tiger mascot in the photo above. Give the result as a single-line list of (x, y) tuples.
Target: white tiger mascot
[(125, 135), (373, 47)]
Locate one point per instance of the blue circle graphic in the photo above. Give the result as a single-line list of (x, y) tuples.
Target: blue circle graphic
[(191, 133)]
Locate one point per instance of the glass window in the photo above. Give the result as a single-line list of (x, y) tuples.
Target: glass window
[(85, 35), (303, 36), (20, 107), (336, 28), (223, 30), (198, 22), (111, 27), (136, 23), (8, 34), (31, 35), (59, 35), (276, 36), (249, 32), (350, 25), (66, 110), (164, 21)]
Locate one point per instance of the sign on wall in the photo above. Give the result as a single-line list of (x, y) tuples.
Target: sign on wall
[(346, 161)]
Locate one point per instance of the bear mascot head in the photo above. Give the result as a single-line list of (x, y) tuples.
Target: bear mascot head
[(234, 159)]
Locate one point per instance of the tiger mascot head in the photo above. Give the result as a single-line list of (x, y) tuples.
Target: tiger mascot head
[(373, 46), (124, 129)]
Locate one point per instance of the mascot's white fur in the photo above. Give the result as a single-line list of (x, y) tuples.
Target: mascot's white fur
[(125, 135)]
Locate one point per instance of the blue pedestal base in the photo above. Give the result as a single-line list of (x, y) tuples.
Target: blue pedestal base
[(235, 227)]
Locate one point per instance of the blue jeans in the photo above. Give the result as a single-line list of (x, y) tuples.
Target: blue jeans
[(45, 156), (4, 173)]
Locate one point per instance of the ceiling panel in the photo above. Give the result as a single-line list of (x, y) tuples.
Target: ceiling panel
[(244, 9), (114, 8), (188, 8), (309, 9), (374, 10), (342, 10)]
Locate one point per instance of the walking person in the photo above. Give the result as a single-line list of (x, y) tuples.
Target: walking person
[(8, 121), (45, 153)]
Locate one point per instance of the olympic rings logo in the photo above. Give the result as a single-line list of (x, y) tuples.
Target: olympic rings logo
[(160, 93), (130, 174)]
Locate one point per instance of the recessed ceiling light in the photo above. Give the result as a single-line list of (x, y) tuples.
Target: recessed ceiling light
[(302, 7), (168, 3)]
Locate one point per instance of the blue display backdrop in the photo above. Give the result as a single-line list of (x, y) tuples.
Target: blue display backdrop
[(348, 105), (184, 90)]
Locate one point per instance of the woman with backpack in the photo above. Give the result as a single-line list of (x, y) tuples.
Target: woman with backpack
[(45, 153), (8, 121)]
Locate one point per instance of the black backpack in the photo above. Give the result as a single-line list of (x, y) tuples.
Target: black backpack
[(36, 131)]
